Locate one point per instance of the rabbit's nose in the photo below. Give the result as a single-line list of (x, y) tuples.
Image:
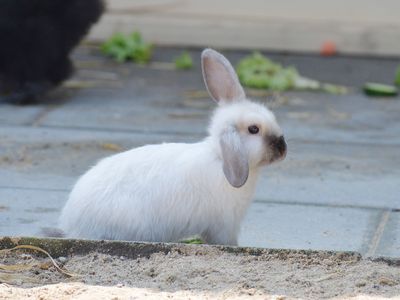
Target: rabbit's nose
[(279, 146)]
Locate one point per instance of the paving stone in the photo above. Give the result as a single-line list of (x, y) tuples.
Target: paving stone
[(19, 115), (157, 100), (32, 180), (51, 158), (266, 225), (379, 193), (308, 227), (24, 212), (353, 118), (129, 118), (389, 245), (152, 99), (334, 174), (150, 102), (317, 119)]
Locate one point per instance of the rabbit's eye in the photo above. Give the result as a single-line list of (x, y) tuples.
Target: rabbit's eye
[(253, 129)]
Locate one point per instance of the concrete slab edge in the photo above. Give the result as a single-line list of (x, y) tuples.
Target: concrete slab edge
[(66, 247)]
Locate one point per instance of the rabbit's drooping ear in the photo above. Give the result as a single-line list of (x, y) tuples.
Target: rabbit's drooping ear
[(235, 163), (220, 78)]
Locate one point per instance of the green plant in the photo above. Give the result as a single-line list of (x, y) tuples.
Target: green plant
[(128, 47), (184, 61), (257, 71)]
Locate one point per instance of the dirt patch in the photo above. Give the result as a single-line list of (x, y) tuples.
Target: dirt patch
[(197, 272)]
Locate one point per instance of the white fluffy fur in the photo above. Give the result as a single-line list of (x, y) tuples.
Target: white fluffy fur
[(167, 192)]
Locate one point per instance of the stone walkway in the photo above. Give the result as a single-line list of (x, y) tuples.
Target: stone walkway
[(338, 189)]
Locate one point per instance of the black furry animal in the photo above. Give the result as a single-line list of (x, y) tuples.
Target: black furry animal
[(36, 37)]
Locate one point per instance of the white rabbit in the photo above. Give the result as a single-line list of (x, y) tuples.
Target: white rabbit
[(167, 192)]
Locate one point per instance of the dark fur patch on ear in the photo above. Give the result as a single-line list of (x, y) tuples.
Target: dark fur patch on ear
[(36, 38), (235, 163)]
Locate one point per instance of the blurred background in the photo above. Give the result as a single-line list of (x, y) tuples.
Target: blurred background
[(355, 27)]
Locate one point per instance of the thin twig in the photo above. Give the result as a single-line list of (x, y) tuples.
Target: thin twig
[(45, 252)]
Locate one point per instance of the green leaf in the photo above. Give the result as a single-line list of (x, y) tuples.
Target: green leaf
[(334, 89), (257, 71), (184, 61), (128, 47)]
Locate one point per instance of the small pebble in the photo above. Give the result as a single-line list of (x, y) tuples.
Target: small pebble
[(387, 281), (18, 282), (361, 284), (120, 285), (26, 256), (107, 259), (122, 257), (62, 259)]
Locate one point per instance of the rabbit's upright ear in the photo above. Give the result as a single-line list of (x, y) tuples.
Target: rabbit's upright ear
[(220, 78), (235, 163)]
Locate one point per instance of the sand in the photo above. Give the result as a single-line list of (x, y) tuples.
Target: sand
[(198, 273)]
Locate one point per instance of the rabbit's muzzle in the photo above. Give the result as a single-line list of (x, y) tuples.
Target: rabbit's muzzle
[(278, 146)]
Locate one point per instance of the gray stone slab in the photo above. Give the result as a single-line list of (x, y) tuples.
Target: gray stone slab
[(379, 193), (51, 158), (353, 118), (31, 180), (323, 174), (153, 99), (19, 115), (148, 101), (28, 211), (389, 245), (129, 118), (25, 212), (306, 116), (308, 227), (334, 174)]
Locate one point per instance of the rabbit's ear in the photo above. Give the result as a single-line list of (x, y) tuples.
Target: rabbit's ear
[(235, 163), (220, 78)]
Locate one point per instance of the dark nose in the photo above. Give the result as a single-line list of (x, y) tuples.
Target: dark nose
[(279, 145)]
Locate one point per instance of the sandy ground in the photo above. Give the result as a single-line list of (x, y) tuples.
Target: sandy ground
[(198, 273), (81, 291)]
